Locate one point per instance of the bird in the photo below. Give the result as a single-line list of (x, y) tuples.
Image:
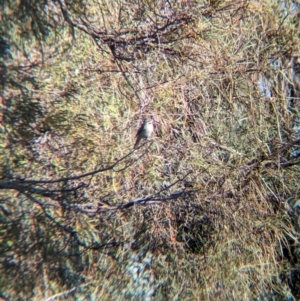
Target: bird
[(145, 131)]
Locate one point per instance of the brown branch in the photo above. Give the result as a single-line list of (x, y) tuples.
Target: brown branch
[(110, 167), (69, 229)]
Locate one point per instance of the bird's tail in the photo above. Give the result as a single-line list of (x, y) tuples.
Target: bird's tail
[(138, 139)]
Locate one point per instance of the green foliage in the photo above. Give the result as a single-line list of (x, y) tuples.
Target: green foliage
[(205, 210)]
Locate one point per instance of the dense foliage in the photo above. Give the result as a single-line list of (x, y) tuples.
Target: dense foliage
[(208, 209)]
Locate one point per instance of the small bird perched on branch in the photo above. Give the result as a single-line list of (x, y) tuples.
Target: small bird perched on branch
[(145, 131)]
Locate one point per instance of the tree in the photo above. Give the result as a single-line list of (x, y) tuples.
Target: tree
[(205, 210)]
